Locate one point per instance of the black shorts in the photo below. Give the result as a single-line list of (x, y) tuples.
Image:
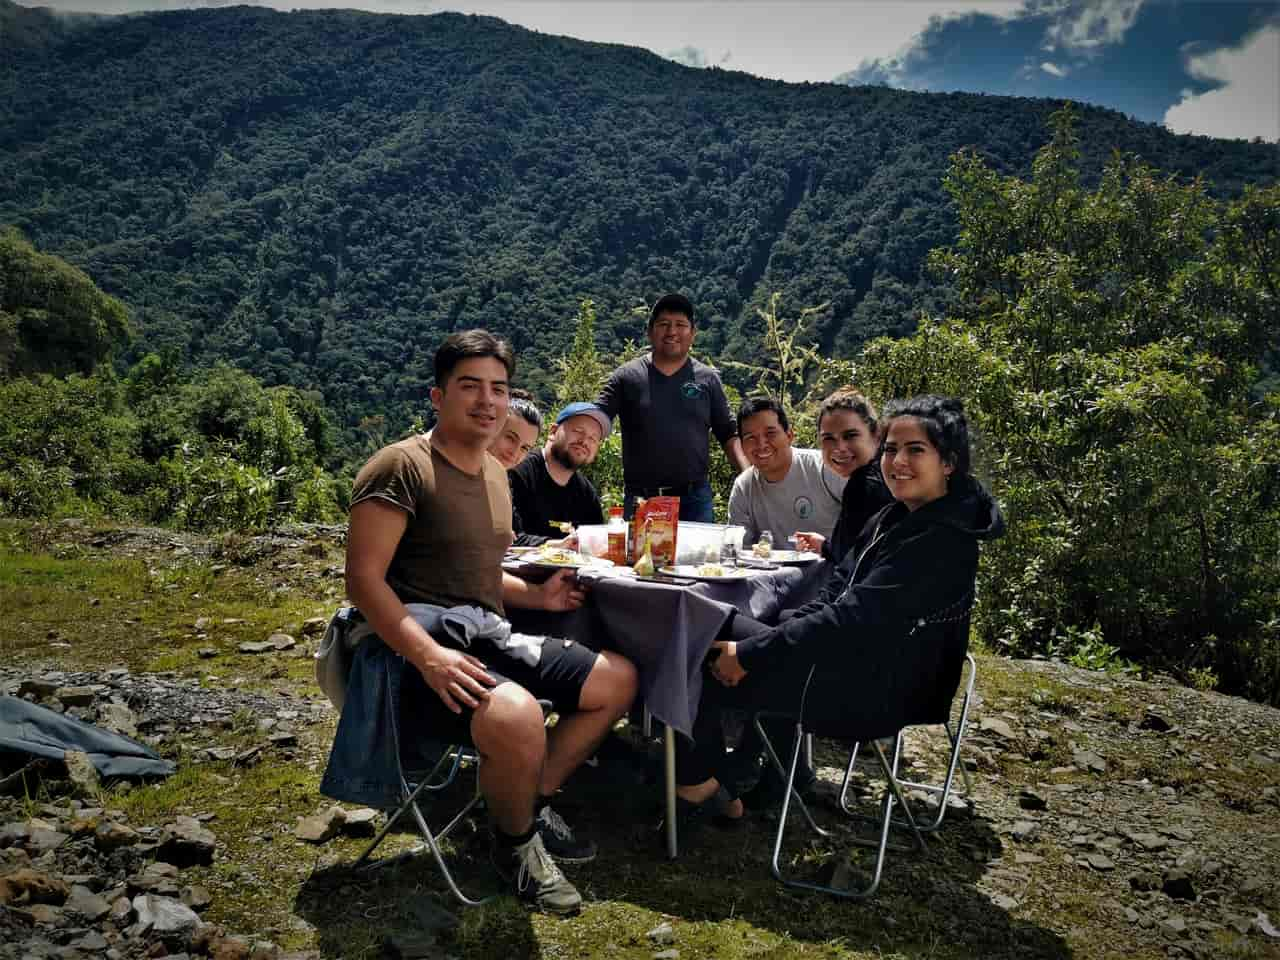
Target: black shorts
[(426, 723)]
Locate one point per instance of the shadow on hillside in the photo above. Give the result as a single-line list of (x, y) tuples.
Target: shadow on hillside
[(926, 905)]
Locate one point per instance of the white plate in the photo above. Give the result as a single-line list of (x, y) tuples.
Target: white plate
[(690, 572), (537, 560), (788, 557)]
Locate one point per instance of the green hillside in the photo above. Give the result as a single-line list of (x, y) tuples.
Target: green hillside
[(317, 196)]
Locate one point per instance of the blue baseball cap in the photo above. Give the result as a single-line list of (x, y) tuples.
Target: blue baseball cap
[(584, 409)]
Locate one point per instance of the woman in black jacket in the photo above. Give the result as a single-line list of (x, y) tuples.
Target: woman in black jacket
[(847, 435), (882, 634)]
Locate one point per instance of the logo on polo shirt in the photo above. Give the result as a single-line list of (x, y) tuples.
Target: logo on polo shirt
[(691, 390), (804, 508)]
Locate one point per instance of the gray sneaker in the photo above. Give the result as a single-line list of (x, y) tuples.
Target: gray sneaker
[(537, 878), (560, 840)]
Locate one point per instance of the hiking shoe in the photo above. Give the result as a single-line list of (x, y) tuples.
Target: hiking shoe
[(559, 839), (536, 877)]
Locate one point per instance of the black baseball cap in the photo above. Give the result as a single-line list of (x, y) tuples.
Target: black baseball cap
[(672, 303)]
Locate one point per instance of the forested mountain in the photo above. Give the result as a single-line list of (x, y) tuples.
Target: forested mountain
[(316, 196)]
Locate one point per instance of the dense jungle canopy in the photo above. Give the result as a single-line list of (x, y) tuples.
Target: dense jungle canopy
[(316, 196)]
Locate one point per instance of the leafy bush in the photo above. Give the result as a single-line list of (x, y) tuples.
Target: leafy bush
[(1105, 344)]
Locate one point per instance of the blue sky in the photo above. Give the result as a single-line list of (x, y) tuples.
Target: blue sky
[(1199, 66)]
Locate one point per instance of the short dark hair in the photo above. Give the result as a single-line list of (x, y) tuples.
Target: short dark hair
[(526, 410), (847, 398), (466, 344), (671, 303), (944, 422), (756, 405)]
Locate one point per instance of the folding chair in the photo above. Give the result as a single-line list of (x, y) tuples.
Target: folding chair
[(892, 795), (434, 781), (941, 791)]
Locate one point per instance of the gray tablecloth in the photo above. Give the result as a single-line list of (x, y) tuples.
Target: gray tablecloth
[(666, 629)]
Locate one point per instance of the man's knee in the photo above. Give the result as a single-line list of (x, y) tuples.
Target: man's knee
[(612, 684), (510, 724)]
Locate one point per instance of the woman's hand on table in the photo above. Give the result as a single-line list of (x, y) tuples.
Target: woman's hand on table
[(565, 543), (561, 591), (809, 542), (726, 667)]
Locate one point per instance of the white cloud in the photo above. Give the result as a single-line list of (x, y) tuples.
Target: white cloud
[(1054, 69), (1091, 24), (1248, 102), (813, 40)]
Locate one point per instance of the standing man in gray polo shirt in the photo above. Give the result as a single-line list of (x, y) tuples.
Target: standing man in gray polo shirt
[(667, 403)]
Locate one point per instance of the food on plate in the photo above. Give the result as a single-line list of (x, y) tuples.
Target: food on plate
[(710, 570), (762, 550), (557, 555)]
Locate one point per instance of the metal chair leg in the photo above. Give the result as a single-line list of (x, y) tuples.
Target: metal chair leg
[(956, 740), (892, 795), (782, 773)]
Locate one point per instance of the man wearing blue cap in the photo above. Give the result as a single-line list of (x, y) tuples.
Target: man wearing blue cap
[(547, 486)]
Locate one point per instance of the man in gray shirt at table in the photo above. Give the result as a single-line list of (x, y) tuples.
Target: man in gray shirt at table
[(667, 403), (786, 488)]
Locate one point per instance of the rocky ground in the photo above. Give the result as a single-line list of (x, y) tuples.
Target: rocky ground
[(1110, 816)]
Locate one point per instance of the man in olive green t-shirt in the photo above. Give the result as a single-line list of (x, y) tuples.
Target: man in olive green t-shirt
[(430, 522)]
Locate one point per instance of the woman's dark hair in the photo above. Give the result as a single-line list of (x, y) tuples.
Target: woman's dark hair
[(525, 408), (756, 405), (943, 420), (467, 344), (847, 398)]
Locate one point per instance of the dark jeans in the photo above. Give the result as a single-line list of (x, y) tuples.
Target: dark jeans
[(777, 689), (699, 505)]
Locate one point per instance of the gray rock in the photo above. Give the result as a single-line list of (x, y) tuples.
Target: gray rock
[(1267, 928), (1252, 887), (112, 835), (92, 942), (1149, 841), (121, 912), (997, 726), (37, 688), (1024, 831), (164, 917), (76, 696), (1144, 882), (255, 647), (196, 897), (202, 623), (118, 717), (35, 837), (282, 641), (161, 878), (1173, 925), (1099, 861), (1154, 721), (185, 843), (85, 903), (662, 934), (671, 954), (82, 773), (1088, 760), (320, 827), (314, 626), (206, 653), (361, 822), (264, 950)]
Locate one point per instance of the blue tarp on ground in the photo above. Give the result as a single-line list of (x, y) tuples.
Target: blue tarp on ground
[(39, 731)]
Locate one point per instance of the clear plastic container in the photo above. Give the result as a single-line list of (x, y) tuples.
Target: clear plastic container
[(593, 539), (696, 541)]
